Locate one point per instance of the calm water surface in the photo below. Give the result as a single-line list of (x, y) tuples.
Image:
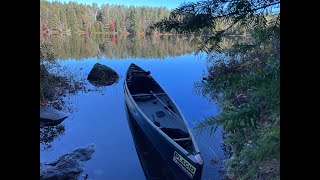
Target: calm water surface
[(99, 116)]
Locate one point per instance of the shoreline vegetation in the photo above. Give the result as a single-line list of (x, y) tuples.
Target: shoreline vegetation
[(53, 87), (243, 77)]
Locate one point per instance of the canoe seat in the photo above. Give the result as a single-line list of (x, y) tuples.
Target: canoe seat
[(180, 137), (185, 143), (142, 99), (175, 133), (160, 114), (147, 94)]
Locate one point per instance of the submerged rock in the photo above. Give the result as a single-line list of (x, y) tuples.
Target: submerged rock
[(68, 166), (102, 75), (50, 116)]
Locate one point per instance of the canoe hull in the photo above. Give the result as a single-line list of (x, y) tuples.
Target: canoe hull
[(178, 163)]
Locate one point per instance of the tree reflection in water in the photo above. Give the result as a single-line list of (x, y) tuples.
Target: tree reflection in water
[(121, 47), (48, 134)]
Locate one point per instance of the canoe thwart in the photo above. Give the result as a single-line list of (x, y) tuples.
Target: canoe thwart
[(146, 94), (181, 139)]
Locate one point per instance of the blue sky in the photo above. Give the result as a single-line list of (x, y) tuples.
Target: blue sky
[(170, 4)]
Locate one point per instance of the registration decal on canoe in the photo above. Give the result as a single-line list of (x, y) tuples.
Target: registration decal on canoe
[(184, 164)]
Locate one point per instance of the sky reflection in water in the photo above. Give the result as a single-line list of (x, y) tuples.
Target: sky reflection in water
[(101, 118)]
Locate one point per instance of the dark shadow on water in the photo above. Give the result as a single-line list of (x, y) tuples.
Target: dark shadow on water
[(152, 164)]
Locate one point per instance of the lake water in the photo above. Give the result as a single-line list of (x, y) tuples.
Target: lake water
[(99, 116)]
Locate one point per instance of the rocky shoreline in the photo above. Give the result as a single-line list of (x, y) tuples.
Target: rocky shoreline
[(67, 166), (72, 164)]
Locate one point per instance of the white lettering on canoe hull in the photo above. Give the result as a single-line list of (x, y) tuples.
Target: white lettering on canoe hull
[(188, 168)]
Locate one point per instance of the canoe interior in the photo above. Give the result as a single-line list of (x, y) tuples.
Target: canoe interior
[(161, 110)]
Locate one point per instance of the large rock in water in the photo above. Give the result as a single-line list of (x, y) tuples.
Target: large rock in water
[(101, 75), (68, 166), (50, 116)]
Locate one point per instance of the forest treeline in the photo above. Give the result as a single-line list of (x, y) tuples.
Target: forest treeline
[(71, 18), (74, 18)]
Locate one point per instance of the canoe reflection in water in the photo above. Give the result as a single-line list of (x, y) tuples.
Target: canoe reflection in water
[(152, 164)]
